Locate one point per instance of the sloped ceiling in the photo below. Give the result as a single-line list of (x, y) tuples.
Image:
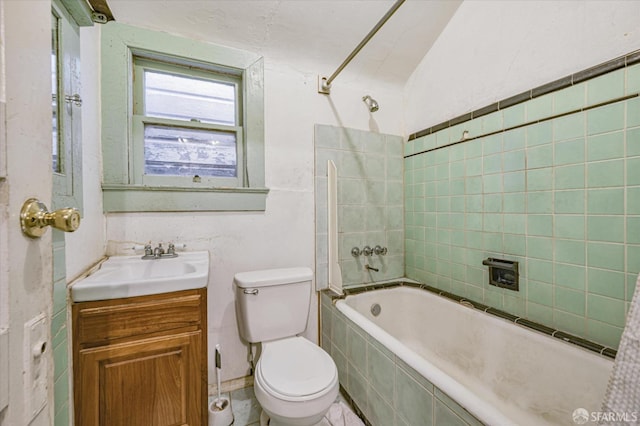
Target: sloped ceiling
[(310, 35)]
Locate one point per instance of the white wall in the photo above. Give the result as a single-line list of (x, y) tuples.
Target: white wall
[(491, 50)]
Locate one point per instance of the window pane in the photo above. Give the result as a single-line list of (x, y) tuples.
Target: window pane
[(189, 152), (183, 98), (55, 143)]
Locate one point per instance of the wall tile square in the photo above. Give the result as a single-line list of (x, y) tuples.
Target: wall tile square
[(569, 177), (633, 112), (540, 107), (569, 323), (540, 179), (570, 300), (492, 183), (608, 334), (606, 201), (514, 160), (540, 202), (605, 309), (633, 79), (605, 87), (539, 134), (633, 142), (606, 228), (539, 292), (569, 152), (515, 223), (514, 182), (605, 119), (540, 156), (540, 270), (569, 226), (514, 203), (605, 174), (633, 171), (606, 283), (605, 146), (633, 200), (492, 164), (492, 203), (492, 144), (633, 229), (569, 99), (569, 127), (570, 276), (569, 201), (514, 244), (540, 247), (570, 251), (515, 139), (606, 256), (513, 116)]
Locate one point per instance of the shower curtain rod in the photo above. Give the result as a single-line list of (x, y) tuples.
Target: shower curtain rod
[(324, 84)]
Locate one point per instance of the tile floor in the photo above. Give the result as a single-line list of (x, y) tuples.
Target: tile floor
[(245, 407)]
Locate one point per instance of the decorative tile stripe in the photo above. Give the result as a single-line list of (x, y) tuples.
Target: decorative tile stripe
[(566, 337), (562, 83)]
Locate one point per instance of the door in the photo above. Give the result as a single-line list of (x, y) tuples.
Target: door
[(25, 263), (152, 381)]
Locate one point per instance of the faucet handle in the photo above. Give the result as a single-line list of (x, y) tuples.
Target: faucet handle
[(380, 250), (367, 251)]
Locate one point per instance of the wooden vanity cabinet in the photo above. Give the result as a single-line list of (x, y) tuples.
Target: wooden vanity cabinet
[(141, 361)]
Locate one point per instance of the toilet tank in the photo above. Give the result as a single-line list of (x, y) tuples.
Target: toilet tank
[(272, 303)]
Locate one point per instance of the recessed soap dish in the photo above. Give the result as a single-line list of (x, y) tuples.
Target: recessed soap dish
[(502, 273)]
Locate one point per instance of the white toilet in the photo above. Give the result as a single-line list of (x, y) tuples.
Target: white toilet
[(295, 380)]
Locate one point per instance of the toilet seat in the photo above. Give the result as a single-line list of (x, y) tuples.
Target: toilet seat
[(295, 368)]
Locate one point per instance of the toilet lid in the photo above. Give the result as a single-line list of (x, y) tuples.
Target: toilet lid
[(296, 367)]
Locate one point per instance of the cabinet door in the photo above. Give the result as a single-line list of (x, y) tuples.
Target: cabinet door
[(154, 382)]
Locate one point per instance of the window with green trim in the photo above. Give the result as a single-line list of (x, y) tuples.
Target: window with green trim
[(182, 124), (187, 124)]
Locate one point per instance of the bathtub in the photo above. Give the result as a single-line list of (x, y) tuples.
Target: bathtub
[(499, 372)]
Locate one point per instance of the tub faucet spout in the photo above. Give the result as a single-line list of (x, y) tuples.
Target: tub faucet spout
[(371, 268)]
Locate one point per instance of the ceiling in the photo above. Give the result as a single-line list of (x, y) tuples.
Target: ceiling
[(309, 35)]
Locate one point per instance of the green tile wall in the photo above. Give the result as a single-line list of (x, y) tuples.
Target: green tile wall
[(370, 202), (59, 330), (559, 193), (383, 387)]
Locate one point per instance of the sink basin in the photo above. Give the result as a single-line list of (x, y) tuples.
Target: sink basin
[(128, 276)]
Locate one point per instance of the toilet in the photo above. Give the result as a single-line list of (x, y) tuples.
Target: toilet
[(295, 381)]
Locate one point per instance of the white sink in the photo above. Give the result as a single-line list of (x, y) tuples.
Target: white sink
[(128, 276)]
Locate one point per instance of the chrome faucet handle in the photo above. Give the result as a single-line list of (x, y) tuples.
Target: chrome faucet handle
[(148, 250), (367, 251), (380, 250), (355, 252)]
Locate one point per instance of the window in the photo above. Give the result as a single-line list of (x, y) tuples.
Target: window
[(183, 124), (187, 124)]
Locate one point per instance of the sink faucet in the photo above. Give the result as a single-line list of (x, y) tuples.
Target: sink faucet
[(159, 252)]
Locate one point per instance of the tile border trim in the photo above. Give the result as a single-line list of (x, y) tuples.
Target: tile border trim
[(551, 332), (562, 83)]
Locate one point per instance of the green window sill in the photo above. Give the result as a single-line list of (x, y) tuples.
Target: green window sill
[(134, 198)]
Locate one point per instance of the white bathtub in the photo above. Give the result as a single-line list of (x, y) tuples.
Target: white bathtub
[(502, 373)]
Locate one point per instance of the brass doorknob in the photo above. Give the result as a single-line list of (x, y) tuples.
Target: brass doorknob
[(35, 217)]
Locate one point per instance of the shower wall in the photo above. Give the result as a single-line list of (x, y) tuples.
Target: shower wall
[(553, 183), (370, 202)]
